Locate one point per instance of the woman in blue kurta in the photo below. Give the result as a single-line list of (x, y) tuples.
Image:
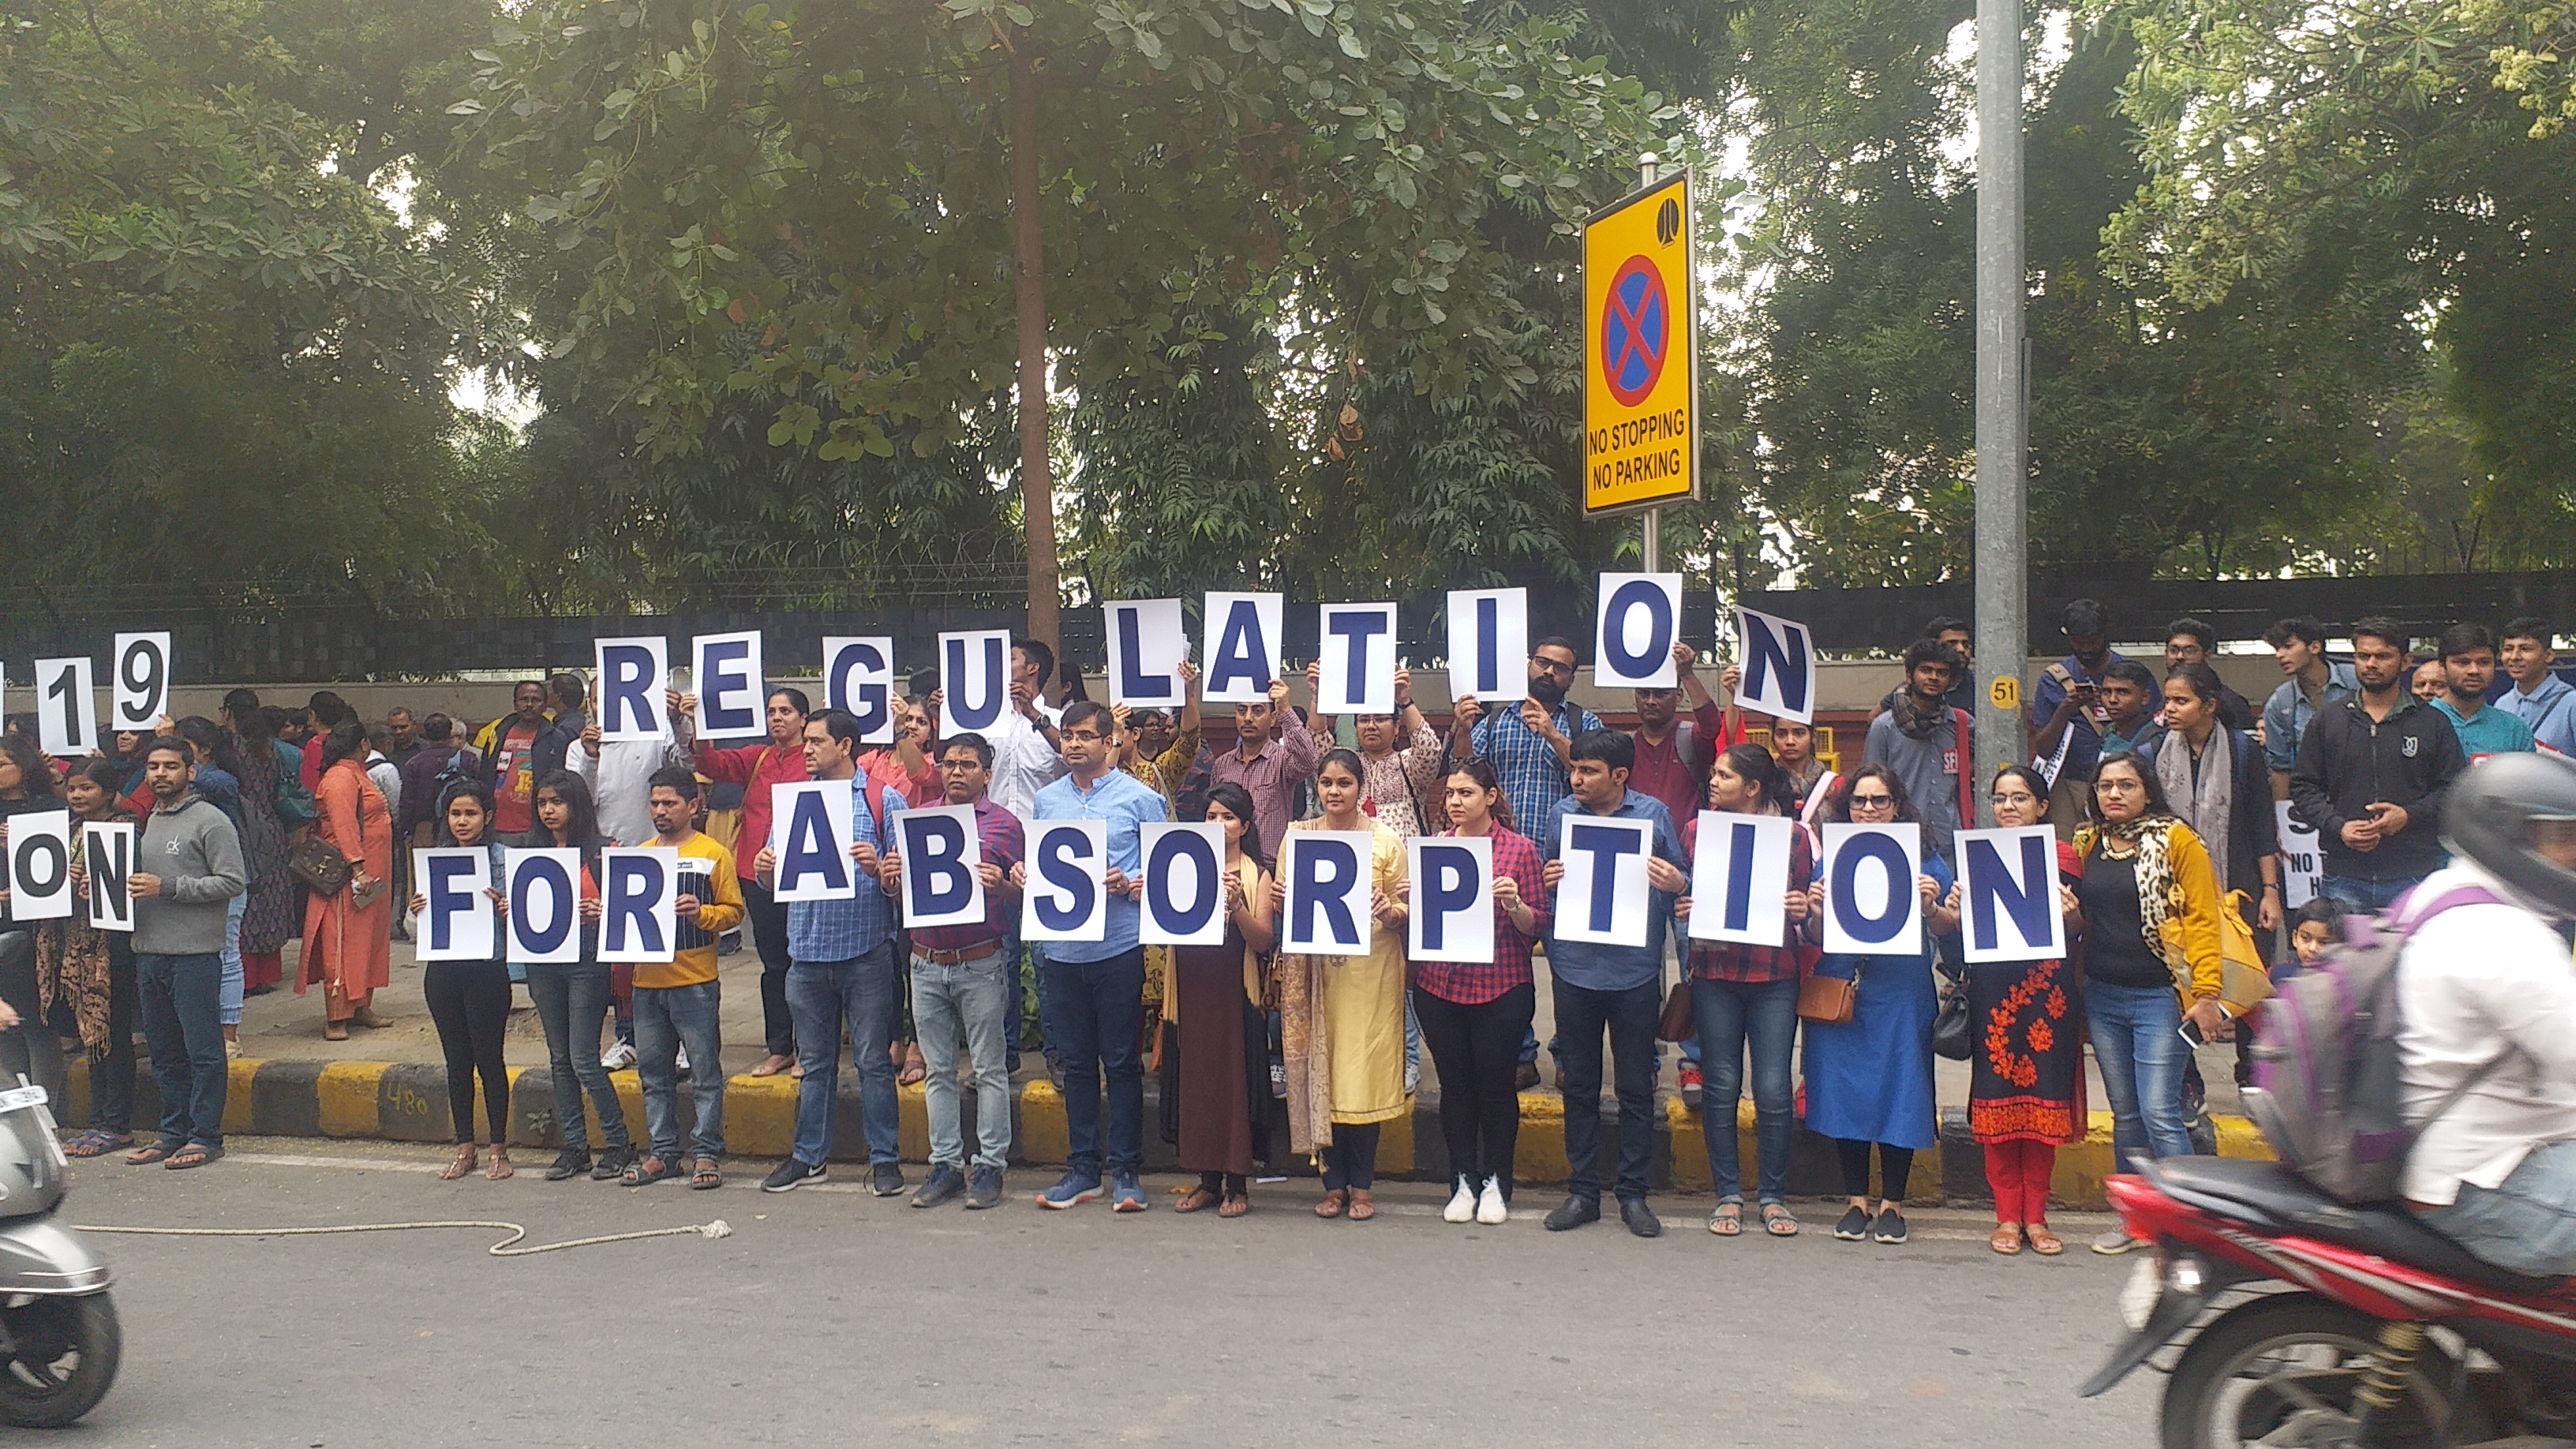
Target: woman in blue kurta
[(1870, 1079)]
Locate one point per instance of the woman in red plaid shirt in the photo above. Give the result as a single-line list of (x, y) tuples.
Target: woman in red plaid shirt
[(1474, 1013)]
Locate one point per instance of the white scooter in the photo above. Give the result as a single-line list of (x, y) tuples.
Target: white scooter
[(59, 1341)]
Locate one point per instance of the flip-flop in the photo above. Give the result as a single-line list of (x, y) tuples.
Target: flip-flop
[(97, 1142), (1197, 1200), (195, 1154), (145, 1157)]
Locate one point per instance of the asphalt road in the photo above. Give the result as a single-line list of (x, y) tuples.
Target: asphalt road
[(831, 1313)]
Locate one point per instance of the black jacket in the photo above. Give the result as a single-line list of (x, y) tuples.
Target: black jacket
[(2348, 761)]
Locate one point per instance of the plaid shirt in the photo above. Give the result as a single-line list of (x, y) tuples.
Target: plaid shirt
[(1525, 764), (1473, 983), (1003, 842), (1735, 961), (847, 930)]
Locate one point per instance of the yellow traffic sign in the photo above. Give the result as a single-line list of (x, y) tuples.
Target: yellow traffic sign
[(1640, 352)]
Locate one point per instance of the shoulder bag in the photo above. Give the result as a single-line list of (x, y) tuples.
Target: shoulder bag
[(1828, 1000)]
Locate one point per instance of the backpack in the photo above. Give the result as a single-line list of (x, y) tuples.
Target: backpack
[(2326, 1087)]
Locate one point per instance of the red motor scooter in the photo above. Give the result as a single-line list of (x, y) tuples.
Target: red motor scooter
[(2305, 1321)]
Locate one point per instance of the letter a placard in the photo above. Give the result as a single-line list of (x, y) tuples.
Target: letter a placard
[(1640, 353)]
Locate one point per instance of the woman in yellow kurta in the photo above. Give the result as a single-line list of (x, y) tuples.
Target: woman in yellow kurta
[(348, 950), (1342, 1017)]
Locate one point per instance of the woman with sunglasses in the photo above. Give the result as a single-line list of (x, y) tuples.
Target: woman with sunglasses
[(1869, 1079)]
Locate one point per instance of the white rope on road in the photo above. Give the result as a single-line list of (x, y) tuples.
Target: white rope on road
[(502, 1249)]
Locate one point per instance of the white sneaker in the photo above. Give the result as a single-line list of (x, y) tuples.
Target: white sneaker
[(1490, 1207), (682, 1066), (618, 1058), (1462, 1204)]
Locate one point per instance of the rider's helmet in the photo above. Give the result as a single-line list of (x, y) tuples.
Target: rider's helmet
[(2515, 815)]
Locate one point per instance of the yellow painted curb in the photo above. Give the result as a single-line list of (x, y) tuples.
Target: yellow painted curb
[(1042, 1136), (759, 1115), (345, 1099)]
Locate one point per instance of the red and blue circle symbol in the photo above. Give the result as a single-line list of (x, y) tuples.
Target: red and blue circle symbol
[(1636, 331)]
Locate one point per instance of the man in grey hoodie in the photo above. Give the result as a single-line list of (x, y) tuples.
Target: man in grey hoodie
[(187, 864)]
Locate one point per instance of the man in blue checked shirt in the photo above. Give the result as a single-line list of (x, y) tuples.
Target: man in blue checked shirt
[(842, 968), (1094, 990)]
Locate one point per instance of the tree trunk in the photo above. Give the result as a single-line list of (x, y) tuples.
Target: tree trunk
[(1028, 278)]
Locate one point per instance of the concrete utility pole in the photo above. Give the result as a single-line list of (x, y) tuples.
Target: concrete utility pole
[(2002, 564), (1028, 282)]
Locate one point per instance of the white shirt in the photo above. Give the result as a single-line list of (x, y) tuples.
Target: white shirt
[(388, 781), (1023, 762), (620, 780), (2474, 980)]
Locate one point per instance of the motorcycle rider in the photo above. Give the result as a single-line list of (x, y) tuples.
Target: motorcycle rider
[(2489, 1004)]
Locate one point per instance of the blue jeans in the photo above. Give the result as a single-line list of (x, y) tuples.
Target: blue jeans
[(2369, 895), (981, 998), (821, 995), (2136, 1043), (572, 1000), (2527, 1223), (228, 1004), (180, 1009), (1582, 1016), (1732, 1014), (1093, 1010), (666, 1017)]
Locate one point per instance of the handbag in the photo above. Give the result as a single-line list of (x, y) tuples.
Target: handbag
[(1950, 1036), (323, 870), (2244, 982), (1828, 1000), (1678, 1022)]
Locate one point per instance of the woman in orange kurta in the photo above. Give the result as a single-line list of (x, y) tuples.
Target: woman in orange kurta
[(349, 951)]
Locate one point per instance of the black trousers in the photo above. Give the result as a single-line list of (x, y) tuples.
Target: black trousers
[(1583, 1017), (769, 938), (470, 1003), (111, 1073), (1477, 1050)]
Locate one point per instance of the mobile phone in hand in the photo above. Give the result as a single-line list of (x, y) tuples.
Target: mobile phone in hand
[(2190, 1030)]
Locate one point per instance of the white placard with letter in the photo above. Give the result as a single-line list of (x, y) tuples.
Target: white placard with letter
[(2008, 895), (1184, 872), (1329, 884), (2303, 865), (974, 681), (1640, 620), (140, 674), (941, 850), (40, 866), (66, 708), (1453, 897), (1357, 659), (726, 678), (107, 857), (544, 887), (1489, 644), (639, 894), (858, 676), (1872, 904), (1740, 878), (1147, 641), (1240, 653), (457, 922), (1065, 900), (1778, 658), (1603, 896), (634, 682), (811, 826)]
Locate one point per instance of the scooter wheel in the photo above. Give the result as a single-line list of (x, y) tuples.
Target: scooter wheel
[(61, 1358), (2283, 1369)]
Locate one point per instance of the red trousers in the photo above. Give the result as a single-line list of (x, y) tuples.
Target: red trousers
[(2019, 1171)]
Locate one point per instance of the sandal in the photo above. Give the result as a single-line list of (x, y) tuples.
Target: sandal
[(1331, 1206), (147, 1156), (1778, 1221), (1363, 1207), (770, 1066), (335, 1031), (2045, 1243), (463, 1164), (97, 1142), (647, 1170), (705, 1175), (195, 1154), (500, 1169), (1728, 1220), (2006, 1239), (1234, 1207), (915, 1068), (1196, 1200)]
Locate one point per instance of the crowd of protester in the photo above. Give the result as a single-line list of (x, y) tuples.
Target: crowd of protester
[(264, 825)]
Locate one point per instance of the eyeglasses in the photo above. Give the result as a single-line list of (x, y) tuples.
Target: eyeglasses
[(1872, 802), (961, 764), (1552, 666), (1081, 736), (2017, 797)]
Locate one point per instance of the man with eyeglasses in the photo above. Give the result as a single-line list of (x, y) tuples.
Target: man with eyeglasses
[(962, 982), (1528, 747)]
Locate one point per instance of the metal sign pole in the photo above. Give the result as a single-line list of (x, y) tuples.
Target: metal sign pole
[(1650, 524)]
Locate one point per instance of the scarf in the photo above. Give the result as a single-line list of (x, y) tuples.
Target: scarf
[(2159, 894), (1916, 722), (2208, 807)]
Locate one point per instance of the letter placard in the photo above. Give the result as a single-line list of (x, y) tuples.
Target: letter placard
[(728, 681), (1328, 875), (1184, 869), (1872, 907), (1603, 896), (1241, 648), (1641, 617), (2303, 870), (1358, 658), (1779, 660), (1740, 878), (1453, 897), (545, 905), (2008, 895), (811, 825), (940, 850), (66, 708), (639, 895), (974, 681), (40, 866), (858, 676), (458, 922), (1489, 644), (107, 854), (142, 679), (1065, 900), (1147, 642), (634, 678)]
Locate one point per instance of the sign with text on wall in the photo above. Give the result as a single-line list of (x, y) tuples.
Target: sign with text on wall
[(1640, 353)]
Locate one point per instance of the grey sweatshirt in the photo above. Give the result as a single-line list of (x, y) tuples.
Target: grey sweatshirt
[(197, 855)]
